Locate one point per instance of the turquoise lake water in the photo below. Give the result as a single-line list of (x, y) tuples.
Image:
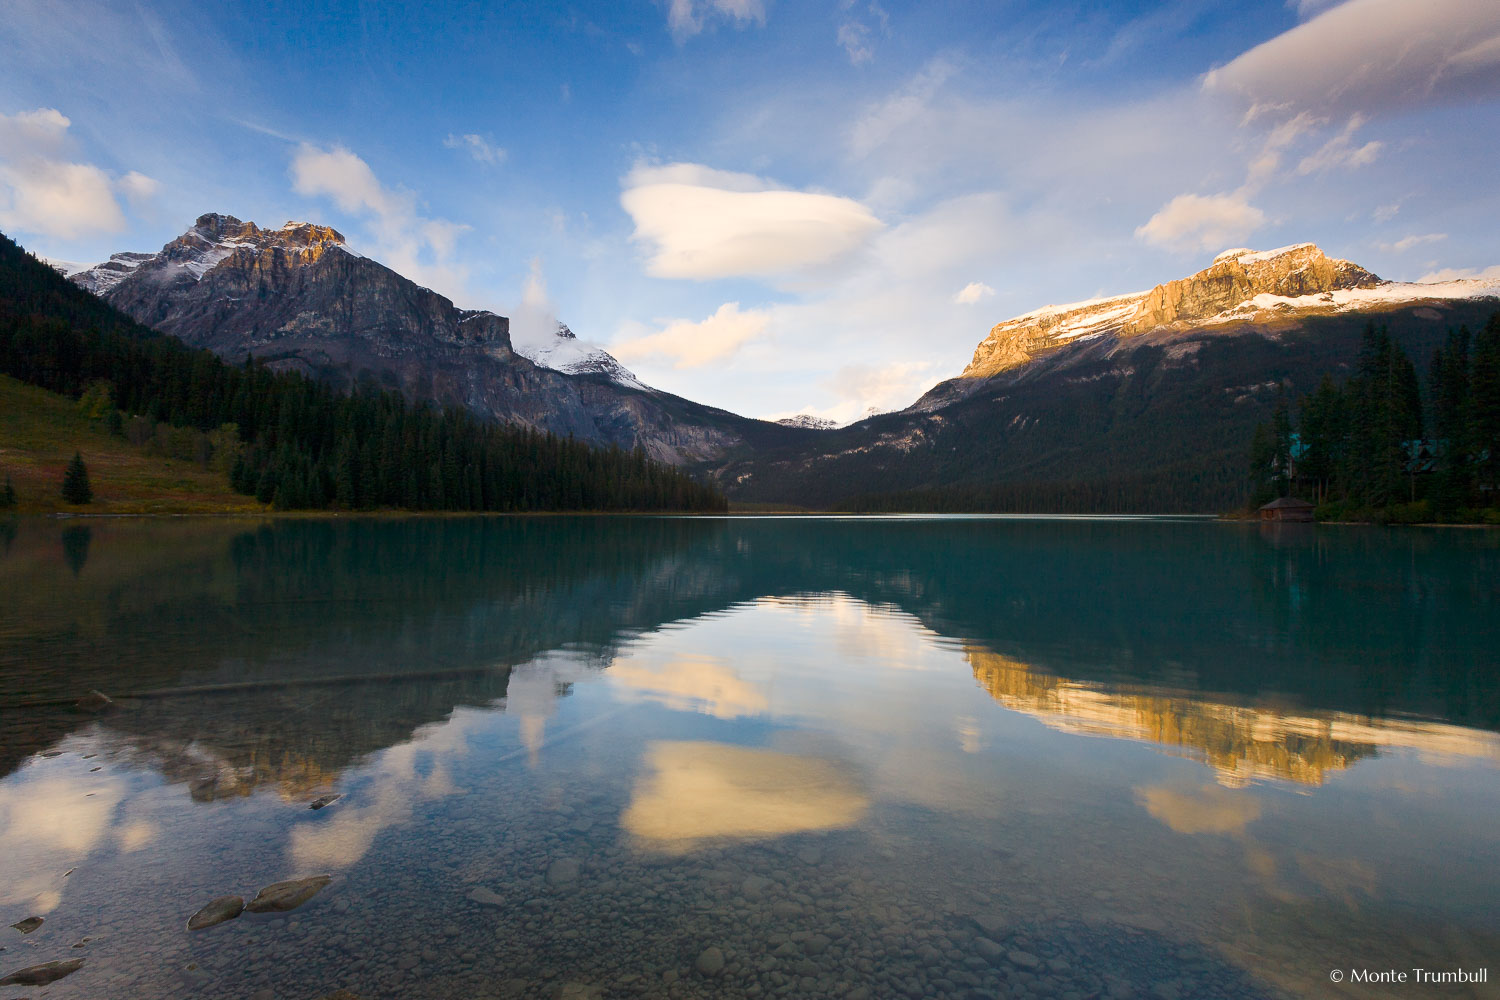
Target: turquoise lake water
[(961, 757)]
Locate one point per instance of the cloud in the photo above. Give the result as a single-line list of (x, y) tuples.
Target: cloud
[(137, 187), (1408, 242), (702, 223), (857, 31), (1370, 56), (1202, 222), (1340, 151), (43, 193), (686, 344), (912, 103), (686, 18), (533, 323), (863, 389), (972, 293), (478, 147), (1463, 274), (1205, 809), (418, 247), (1385, 213)]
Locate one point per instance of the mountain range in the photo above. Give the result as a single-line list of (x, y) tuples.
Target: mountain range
[(1141, 401), (298, 298)]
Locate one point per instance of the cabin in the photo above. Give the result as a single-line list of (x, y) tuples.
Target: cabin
[(1287, 509)]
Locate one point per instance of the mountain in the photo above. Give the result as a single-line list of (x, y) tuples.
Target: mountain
[(1139, 402), (300, 299)]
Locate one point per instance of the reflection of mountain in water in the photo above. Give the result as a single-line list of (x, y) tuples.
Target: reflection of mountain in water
[(1241, 743), (1132, 621)]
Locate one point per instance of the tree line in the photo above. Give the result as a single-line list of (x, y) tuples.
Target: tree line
[(300, 444), (1377, 447)]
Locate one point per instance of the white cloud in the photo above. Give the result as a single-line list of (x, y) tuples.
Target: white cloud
[(478, 147), (534, 322), (686, 18), (972, 293), (865, 388), (1340, 151), (1192, 222), (1385, 213), (912, 103), (418, 247), (42, 193), (1491, 273), (688, 344), (858, 29), (137, 187), (1372, 55), (1413, 241), (702, 223)]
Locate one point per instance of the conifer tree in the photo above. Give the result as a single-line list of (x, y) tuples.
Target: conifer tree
[(75, 486), (7, 494)]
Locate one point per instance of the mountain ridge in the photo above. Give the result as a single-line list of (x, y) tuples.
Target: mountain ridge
[(299, 299)]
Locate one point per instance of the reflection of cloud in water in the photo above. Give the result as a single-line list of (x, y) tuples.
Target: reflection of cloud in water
[(135, 835), (696, 792), (692, 684), (1200, 809), (395, 786), (48, 825)]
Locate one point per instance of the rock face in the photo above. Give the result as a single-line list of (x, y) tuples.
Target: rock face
[(1240, 285), (299, 299)]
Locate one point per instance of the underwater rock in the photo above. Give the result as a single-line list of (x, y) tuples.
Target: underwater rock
[(216, 912), (282, 896)]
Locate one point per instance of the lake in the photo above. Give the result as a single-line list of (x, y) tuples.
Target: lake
[(583, 757)]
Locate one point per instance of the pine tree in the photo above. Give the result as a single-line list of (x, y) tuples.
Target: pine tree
[(75, 486), (7, 494)]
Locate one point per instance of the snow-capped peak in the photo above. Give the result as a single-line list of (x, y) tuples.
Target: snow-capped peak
[(565, 353)]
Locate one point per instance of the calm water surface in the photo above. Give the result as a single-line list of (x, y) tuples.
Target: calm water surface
[(900, 757)]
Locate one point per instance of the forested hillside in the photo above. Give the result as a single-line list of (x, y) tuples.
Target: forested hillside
[(1141, 427), (1376, 446), (299, 444)]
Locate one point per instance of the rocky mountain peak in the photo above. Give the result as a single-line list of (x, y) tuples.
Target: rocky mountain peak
[(1240, 286)]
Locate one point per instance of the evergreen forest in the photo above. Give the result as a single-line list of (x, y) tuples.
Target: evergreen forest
[(300, 444)]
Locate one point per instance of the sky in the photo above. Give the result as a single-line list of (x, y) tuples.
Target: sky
[(815, 207)]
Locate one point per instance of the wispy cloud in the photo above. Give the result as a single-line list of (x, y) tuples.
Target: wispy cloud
[(860, 26), (1408, 242), (1341, 151), (419, 247), (477, 146), (686, 18)]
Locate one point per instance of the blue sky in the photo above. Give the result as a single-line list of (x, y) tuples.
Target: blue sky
[(770, 206)]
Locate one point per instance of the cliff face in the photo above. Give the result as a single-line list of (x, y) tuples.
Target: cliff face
[(1240, 285), (299, 299)]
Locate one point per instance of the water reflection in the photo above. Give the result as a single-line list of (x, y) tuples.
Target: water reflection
[(849, 755), (695, 792), (1241, 743)]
